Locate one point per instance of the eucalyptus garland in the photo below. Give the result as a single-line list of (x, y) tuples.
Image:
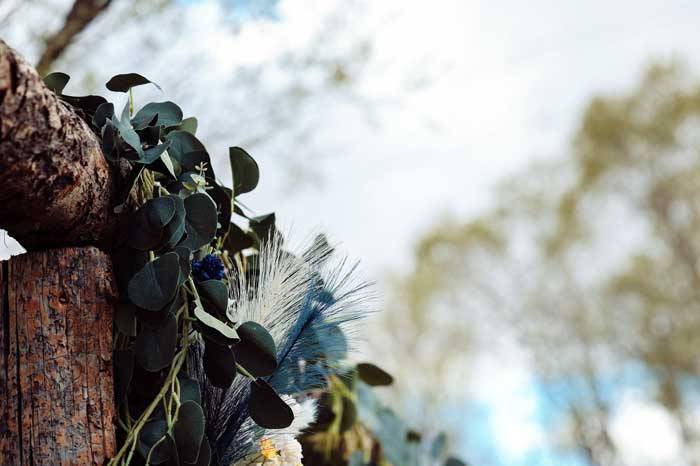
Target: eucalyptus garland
[(174, 246)]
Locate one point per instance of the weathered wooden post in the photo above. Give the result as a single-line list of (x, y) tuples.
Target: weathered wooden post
[(56, 302)]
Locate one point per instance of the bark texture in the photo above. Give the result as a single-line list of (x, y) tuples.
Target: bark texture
[(57, 188), (56, 386)]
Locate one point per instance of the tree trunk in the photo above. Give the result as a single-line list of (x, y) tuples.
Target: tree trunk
[(56, 387), (57, 188)]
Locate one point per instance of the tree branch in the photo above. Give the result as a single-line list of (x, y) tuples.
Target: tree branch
[(56, 188), (79, 17)]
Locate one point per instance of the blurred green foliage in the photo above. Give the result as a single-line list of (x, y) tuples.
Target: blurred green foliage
[(591, 261)]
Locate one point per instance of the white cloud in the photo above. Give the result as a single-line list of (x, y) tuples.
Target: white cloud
[(645, 433)]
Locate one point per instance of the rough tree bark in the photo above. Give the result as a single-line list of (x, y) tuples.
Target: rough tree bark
[(56, 389), (57, 188)]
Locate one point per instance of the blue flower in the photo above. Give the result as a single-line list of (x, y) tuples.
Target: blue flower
[(209, 268)]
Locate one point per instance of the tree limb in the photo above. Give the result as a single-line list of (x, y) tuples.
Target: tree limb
[(56, 188), (79, 17)]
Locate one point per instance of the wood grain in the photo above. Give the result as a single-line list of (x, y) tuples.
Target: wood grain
[(56, 385)]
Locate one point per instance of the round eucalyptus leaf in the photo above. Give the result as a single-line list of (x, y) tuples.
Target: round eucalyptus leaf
[(219, 364), (244, 170), (200, 221), (56, 81), (222, 198), (263, 226), (124, 82), (215, 293), (373, 375), (204, 458), (147, 224), (103, 112), (127, 132), (189, 390), (189, 431), (214, 324), (175, 229), (154, 439), (164, 113), (153, 154), (256, 351), (189, 124), (86, 103), (109, 142), (156, 319), (153, 286), (237, 240), (154, 348), (185, 256), (266, 408), (189, 152)]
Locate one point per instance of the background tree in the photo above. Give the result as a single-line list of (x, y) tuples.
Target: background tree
[(591, 262)]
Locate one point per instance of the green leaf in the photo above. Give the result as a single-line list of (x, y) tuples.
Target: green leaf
[(237, 240), (263, 226), (127, 133), (189, 390), (153, 154), (229, 333), (219, 364), (175, 229), (373, 375), (266, 408), (103, 112), (167, 114), (185, 263), (189, 431), (204, 454), (454, 462), (153, 286), (124, 82), (154, 348), (157, 319), (413, 436), (215, 293), (188, 124), (222, 197), (187, 150), (244, 170), (147, 225), (150, 438), (87, 103), (109, 141), (56, 81), (256, 351), (200, 221)]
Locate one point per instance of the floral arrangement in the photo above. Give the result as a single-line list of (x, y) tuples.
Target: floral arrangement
[(228, 347)]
